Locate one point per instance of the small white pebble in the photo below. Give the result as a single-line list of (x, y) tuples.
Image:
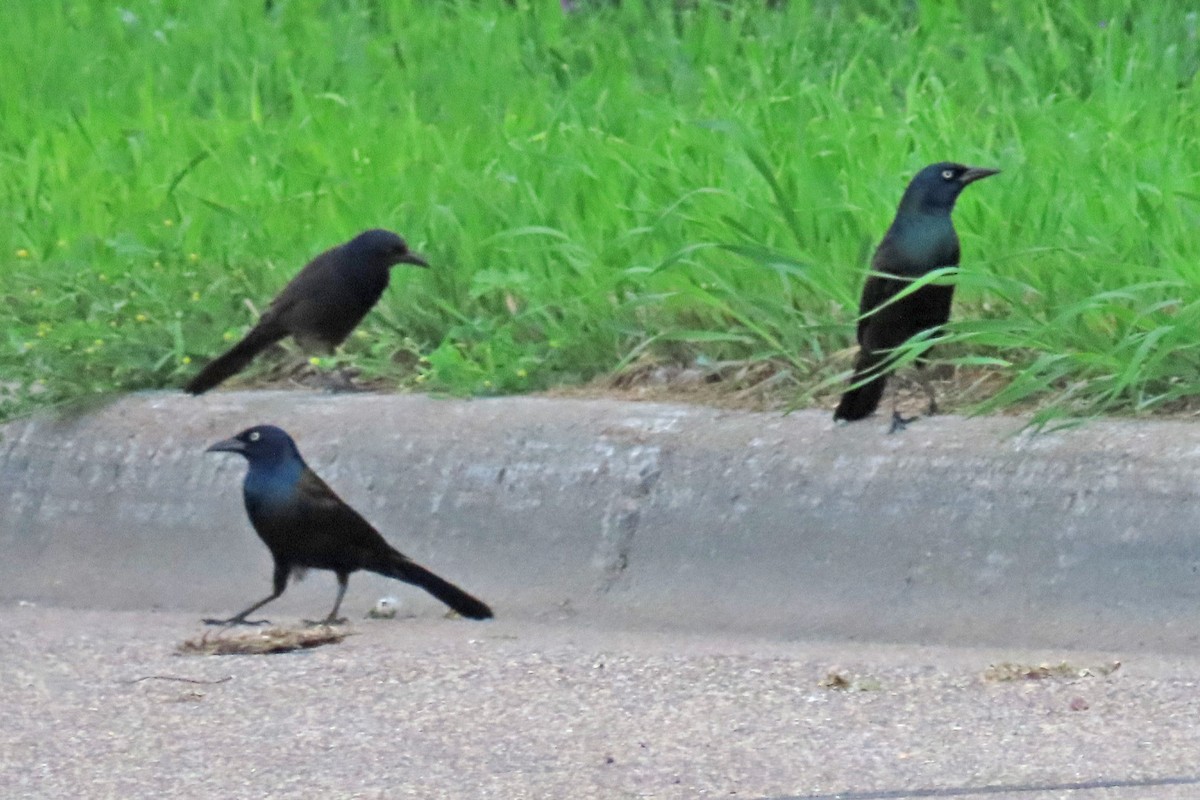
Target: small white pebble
[(384, 608)]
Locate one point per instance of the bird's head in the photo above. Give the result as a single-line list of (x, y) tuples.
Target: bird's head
[(378, 247), (260, 444), (935, 188)]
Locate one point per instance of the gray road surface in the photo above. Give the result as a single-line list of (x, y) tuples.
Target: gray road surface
[(94, 706)]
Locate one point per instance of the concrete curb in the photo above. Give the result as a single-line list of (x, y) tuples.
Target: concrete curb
[(958, 531)]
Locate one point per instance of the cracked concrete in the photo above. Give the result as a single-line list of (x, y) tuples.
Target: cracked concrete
[(621, 520), (955, 532)]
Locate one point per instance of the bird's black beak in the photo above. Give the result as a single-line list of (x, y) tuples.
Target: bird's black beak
[(414, 259), (977, 173), (228, 446)]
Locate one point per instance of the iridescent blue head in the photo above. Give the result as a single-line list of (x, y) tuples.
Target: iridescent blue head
[(934, 189), (262, 445), (380, 248)]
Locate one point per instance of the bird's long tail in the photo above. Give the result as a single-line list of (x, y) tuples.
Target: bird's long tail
[(402, 569), (862, 401), (235, 359)]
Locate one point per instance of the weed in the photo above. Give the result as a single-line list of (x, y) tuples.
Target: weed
[(700, 183)]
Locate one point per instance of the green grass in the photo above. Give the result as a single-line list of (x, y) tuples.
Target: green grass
[(704, 184)]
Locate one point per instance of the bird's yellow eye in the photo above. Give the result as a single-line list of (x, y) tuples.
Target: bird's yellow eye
[(254, 437), (948, 174)]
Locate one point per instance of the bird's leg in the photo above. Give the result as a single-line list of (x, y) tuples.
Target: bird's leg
[(340, 380), (926, 381), (337, 380), (333, 381), (333, 619), (899, 422), (240, 619), (279, 583)]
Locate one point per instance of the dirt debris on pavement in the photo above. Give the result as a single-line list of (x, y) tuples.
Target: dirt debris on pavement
[(1008, 671), (261, 642)]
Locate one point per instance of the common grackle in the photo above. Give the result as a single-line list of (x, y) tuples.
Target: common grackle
[(321, 305), (306, 526), (920, 240)]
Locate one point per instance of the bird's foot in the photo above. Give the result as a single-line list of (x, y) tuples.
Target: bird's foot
[(235, 621), (899, 423), (330, 620), (339, 381)]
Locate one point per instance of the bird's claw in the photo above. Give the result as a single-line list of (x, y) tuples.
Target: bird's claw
[(316, 623), (899, 423), (340, 382), (235, 621)]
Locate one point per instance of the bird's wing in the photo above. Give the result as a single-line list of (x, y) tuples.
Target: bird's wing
[(877, 290), (888, 259), (305, 284), (315, 494), (337, 531)]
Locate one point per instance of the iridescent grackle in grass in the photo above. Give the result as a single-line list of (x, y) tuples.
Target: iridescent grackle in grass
[(920, 240), (321, 305)]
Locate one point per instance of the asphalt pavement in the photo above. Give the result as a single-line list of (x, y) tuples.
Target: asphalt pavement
[(98, 705)]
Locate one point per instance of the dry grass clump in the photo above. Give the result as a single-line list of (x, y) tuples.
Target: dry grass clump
[(261, 642)]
